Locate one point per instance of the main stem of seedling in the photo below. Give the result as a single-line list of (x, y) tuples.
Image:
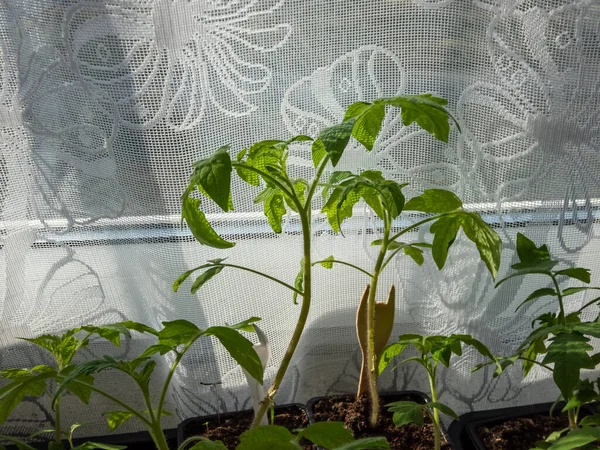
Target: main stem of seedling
[(436, 413), (371, 356), (572, 414), (305, 219)]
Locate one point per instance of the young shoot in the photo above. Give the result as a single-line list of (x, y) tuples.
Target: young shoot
[(38, 381), (560, 337), (175, 337), (432, 350)]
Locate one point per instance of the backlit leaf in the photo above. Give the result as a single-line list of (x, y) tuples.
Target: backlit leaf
[(369, 117), (214, 175), (335, 139), (434, 201), (199, 225)]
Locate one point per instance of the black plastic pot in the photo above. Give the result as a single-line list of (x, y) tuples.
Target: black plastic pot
[(464, 432), (385, 398), (184, 430), (134, 441)]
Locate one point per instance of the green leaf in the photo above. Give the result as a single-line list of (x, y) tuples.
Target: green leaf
[(443, 409), (240, 349), (577, 438), (318, 152), (537, 347), (139, 327), (98, 446), (116, 418), (178, 332), (578, 273), (299, 282), (575, 290), (204, 277), (334, 139), (537, 294), (434, 201), (569, 353), (369, 118), (199, 225), (444, 233), (153, 349), (405, 413), (531, 257), (82, 392), (335, 178), (329, 435), (365, 444), (340, 203), (328, 262), (415, 253), (111, 332), (245, 325), (274, 211), (20, 444), (208, 445), (486, 240), (425, 109), (214, 175), (13, 393), (267, 438), (590, 420), (388, 354)]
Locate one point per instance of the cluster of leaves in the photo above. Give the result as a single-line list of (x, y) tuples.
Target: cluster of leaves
[(559, 341), (432, 350), (36, 381), (78, 378), (327, 435), (586, 435)]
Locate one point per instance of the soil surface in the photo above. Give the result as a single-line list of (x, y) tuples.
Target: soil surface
[(355, 414), (228, 428), (521, 433)]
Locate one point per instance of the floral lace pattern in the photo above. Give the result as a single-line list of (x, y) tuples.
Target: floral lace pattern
[(105, 104)]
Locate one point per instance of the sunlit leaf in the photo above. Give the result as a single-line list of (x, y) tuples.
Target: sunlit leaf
[(199, 225)]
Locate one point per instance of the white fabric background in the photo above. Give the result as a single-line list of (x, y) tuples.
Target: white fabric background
[(104, 105)]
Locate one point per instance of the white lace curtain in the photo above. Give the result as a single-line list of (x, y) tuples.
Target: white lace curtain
[(104, 105)]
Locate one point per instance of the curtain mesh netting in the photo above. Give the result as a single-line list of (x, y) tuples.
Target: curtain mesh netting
[(104, 106)]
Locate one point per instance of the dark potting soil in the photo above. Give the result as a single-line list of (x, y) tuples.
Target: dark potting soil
[(355, 415), (521, 433), (229, 429)]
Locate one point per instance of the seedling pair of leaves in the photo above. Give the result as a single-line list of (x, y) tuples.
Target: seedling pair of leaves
[(265, 164), (35, 382), (175, 337), (328, 435), (432, 350)]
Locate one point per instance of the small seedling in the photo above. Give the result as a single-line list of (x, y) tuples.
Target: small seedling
[(175, 337), (432, 350), (36, 382), (560, 337)]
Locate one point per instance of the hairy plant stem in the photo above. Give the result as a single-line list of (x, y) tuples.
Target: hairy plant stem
[(305, 219), (58, 433), (436, 414), (371, 356)]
